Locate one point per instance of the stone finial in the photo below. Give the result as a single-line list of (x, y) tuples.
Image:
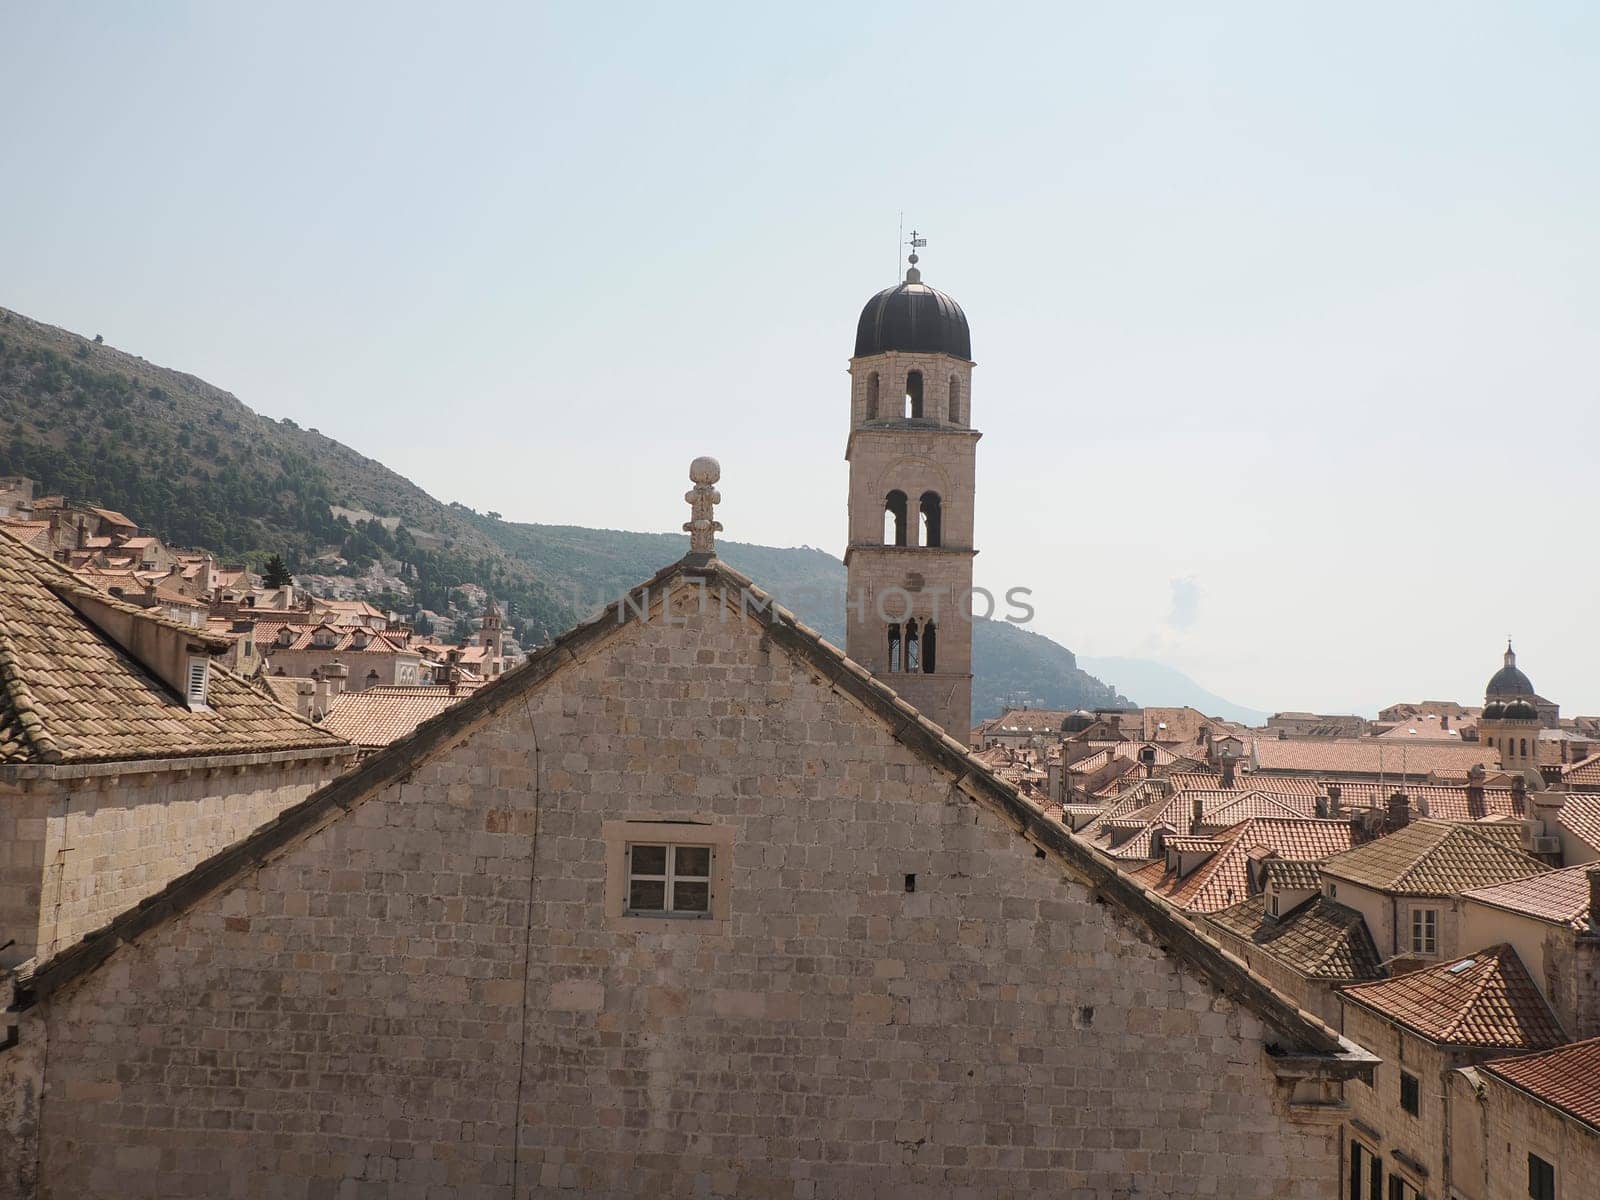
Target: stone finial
[(703, 527)]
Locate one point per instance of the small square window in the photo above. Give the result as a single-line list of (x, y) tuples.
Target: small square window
[(669, 880), (1410, 1094)]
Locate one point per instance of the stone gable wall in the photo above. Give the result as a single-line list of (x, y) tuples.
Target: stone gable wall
[(345, 1022)]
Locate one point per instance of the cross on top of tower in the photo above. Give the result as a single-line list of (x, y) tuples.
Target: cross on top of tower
[(912, 274)]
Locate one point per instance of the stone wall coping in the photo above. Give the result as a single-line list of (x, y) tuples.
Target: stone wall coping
[(1307, 1037), (19, 772)]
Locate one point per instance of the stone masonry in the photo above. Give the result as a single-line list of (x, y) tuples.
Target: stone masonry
[(421, 984)]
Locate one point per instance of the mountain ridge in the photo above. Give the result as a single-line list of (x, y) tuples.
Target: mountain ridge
[(198, 467)]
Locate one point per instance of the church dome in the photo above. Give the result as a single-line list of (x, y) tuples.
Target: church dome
[(1521, 710), (913, 316), (1508, 681), (1493, 711), (1077, 722)]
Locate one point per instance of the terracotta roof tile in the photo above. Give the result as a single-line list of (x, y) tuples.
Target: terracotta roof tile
[(1224, 879), (1483, 999), (1445, 801), (1437, 858), (381, 715), (1567, 1078), (69, 694), (1580, 816), (1297, 874), (1370, 756), (1559, 897), (1583, 774), (1320, 939)]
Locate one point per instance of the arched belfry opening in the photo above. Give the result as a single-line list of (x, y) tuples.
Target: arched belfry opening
[(913, 661), (930, 520), (894, 518), (872, 396), (914, 394), (894, 647), (929, 646), (955, 400)]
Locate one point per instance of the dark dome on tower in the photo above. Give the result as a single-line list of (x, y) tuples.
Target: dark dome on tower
[(1521, 710), (913, 316), (1509, 682)]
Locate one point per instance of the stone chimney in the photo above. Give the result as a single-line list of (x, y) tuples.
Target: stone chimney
[(336, 673), (1227, 771), (1399, 810), (1335, 808), (1475, 807), (1197, 815), (1444, 722)]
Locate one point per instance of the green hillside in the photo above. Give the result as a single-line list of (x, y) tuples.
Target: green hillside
[(192, 464)]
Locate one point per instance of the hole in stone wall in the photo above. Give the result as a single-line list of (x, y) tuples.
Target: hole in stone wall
[(911, 883), (1086, 1015)]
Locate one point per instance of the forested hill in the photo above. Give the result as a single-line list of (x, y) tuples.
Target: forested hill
[(193, 465)]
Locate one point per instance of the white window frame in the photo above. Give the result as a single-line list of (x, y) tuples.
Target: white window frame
[(670, 878), (1424, 931)]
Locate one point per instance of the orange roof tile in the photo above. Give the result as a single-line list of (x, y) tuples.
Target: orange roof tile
[(1370, 756), (1567, 1078), (1559, 897), (1224, 879), (1580, 816), (1585, 773), (381, 715), (1485, 999)]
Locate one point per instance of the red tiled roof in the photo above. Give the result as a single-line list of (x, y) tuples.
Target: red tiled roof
[(1580, 816), (1567, 1078), (381, 715), (1559, 897), (1437, 858), (1370, 756), (1224, 878), (1445, 801), (1583, 774), (1484, 999)]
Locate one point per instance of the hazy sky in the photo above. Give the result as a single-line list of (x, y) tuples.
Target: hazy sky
[(1285, 314)]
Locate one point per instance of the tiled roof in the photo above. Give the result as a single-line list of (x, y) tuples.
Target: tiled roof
[(1583, 774), (344, 641), (1219, 809), (1370, 756), (70, 695), (1567, 1078), (1580, 816), (1224, 878), (1320, 939), (381, 715), (1249, 781), (1559, 897), (1446, 802), (1437, 858), (1026, 720), (1296, 874), (1484, 999), (1228, 809)]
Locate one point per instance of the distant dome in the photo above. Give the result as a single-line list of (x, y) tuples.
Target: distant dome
[(1508, 681), (1493, 711), (913, 316), (1077, 722)]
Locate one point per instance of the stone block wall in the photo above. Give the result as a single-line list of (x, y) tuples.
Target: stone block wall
[(76, 852), (896, 994), (1494, 1130)]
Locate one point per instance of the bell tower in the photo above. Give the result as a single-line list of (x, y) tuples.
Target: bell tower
[(913, 455)]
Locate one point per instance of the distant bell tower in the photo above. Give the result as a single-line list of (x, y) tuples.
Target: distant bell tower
[(913, 455)]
